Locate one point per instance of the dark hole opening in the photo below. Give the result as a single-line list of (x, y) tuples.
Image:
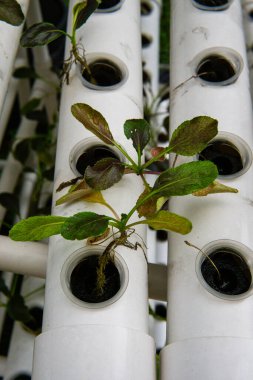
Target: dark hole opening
[(92, 155), (22, 377), (107, 4), (145, 40), (35, 323), (224, 155), (250, 14), (161, 310), (215, 68), (235, 277), (161, 235), (83, 281), (212, 3), (104, 73), (146, 8), (146, 77)]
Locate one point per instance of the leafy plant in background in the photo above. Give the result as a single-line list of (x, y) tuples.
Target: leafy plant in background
[(188, 139), (43, 33), (11, 12)]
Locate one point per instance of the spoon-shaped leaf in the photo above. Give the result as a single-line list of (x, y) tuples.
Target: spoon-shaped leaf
[(185, 179), (165, 220), (192, 136), (82, 11), (104, 174), (138, 130), (40, 34), (37, 228), (11, 12), (93, 121), (83, 225)]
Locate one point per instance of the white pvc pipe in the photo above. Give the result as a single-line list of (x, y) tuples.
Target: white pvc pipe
[(23, 257), (20, 355), (123, 325), (9, 42), (197, 319)]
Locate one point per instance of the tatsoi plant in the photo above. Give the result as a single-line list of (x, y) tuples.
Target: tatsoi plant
[(190, 178), (43, 33), (11, 12)]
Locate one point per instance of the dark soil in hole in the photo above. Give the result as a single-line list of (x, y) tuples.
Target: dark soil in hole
[(35, 324), (224, 155), (146, 8), (104, 73), (235, 274), (161, 310), (145, 41), (215, 68), (250, 14), (161, 235), (163, 137), (212, 3), (83, 281), (107, 4), (92, 155), (146, 77), (22, 377)]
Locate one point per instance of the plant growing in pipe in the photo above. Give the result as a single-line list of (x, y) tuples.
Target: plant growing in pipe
[(188, 139), (43, 33)]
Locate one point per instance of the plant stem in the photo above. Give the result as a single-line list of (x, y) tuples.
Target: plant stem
[(156, 158), (122, 150), (207, 256), (34, 291), (112, 210)]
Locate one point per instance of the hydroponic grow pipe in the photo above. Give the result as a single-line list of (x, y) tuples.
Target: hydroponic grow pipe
[(9, 42), (85, 332), (209, 333)]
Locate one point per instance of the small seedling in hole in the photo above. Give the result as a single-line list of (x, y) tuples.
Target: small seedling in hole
[(188, 139), (44, 33)]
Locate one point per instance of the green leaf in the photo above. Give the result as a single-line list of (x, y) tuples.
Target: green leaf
[(93, 121), (10, 202), (214, 188), (73, 196), (11, 12), (30, 105), (192, 136), (165, 220), (17, 309), (138, 130), (40, 34), (22, 150), (185, 179), (83, 225), (147, 208), (104, 174), (25, 72), (82, 11), (37, 228)]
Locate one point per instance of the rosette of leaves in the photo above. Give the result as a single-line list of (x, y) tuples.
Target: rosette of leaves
[(43, 33), (188, 139), (11, 12)]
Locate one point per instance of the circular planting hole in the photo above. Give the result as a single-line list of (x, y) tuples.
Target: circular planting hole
[(35, 323), (145, 41), (224, 155), (83, 281), (234, 276), (146, 8), (215, 69), (104, 73), (108, 4), (162, 235), (217, 5), (22, 376), (161, 310), (93, 154)]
